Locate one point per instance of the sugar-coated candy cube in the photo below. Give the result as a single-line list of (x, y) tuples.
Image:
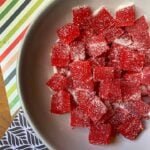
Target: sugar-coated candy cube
[(98, 61), (146, 76), (57, 82), (68, 32), (119, 117), (86, 34), (60, 56), (91, 105), (112, 33), (96, 46), (125, 16), (103, 73), (96, 109), (81, 70), (110, 112), (81, 15), (141, 40), (110, 90), (140, 34), (114, 55), (102, 20), (83, 97), (138, 108), (60, 102), (145, 90), (131, 60), (130, 90), (133, 77), (77, 50), (63, 70), (79, 118), (131, 129), (140, 25), (124, 40), (100, 134), (84, 85)]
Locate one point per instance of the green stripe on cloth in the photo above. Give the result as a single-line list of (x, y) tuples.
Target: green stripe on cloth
[(21, 21), (14, 15), (14, 101), (11, 90), (10, 76), (8, 8)]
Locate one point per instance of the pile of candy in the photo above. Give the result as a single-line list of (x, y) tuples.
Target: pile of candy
[(103, 72)]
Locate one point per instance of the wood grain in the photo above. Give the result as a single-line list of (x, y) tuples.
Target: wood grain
[(5, 118)]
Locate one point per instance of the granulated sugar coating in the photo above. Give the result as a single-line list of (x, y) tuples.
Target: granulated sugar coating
[(102, 72)]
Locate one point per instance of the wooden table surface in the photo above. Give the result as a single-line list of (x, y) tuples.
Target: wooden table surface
[(5, 118)]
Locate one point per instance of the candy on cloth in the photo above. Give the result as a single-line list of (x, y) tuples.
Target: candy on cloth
[(110, 90), (103, 73), (81, 15), (131, 60), (100, 134), (60, 102), (81, 70), (57, 82), (125, 16), (130, 91), (68, 32), (131, 128), (60, 55), (77, 50), (102, 20), (96, 46)]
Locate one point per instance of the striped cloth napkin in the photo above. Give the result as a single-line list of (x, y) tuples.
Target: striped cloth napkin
[(15, 19)]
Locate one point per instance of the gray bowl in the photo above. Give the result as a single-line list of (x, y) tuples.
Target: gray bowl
[(34, 70)]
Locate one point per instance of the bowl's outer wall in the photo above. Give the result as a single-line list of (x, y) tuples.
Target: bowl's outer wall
[(35, 69)]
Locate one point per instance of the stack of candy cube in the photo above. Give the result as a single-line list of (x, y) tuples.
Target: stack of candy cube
[(103, 73)]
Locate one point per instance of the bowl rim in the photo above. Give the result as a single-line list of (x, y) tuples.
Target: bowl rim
[(18, 72)]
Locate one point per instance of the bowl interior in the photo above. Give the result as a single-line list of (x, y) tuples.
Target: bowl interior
[(35, 69)]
